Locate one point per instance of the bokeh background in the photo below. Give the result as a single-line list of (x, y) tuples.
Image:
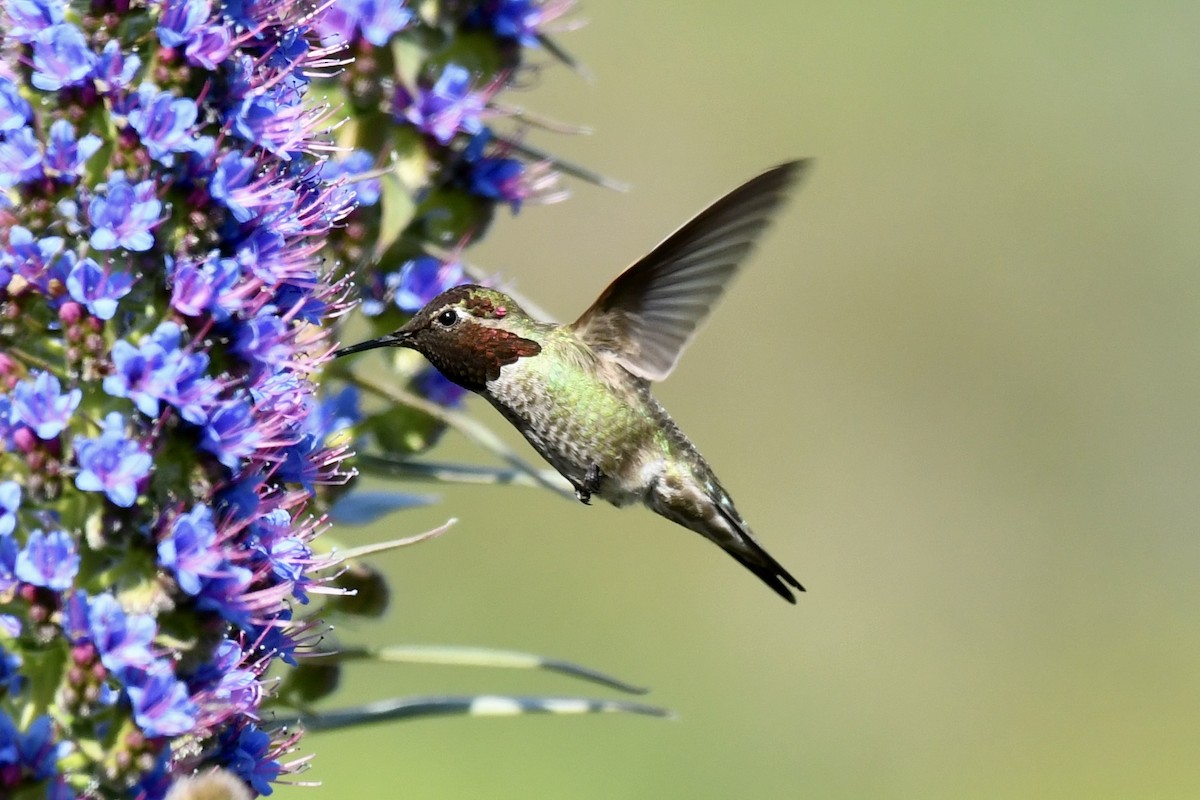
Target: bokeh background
[(955, 393)]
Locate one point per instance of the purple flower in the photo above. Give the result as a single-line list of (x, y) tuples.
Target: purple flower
[(225, 593), (423, 279), (231, 433), (20, 158), (164, 122), (247, 751), (10, 501), (137, 374), (15, 111), (115, 69), (517, 19), (49, 560), (61, 58), (449, 107), (161, 704), (206, 287), (355, 167), (180, 20), (339, 410), (222, 687), (376, 19), (112, 463), (187, 549), (42, 405), (11, 679), (65, 154), (30, 17), (234, 172), (9, 551), (209, 46), (124, 214), (441, 390), (122, 639), (499, 179), (160, 370), (264, 341), (379, 19), (37, 260), (96, 289), (275, 118)]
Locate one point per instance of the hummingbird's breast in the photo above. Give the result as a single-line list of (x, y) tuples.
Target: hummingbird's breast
[(578, 411)]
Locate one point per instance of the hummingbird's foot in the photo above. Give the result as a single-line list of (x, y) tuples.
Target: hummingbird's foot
[(591, 483)]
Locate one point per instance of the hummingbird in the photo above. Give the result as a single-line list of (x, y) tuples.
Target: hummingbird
[(580, 393)]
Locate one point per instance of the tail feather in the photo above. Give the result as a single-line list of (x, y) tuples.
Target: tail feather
[(751, 555)]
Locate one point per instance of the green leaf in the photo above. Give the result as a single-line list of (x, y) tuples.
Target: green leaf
[(482, 657), (44, 668), (402, 429), (468, 705), (447, 216)]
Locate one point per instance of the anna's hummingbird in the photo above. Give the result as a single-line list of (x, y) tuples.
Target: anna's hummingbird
[(580, 393)]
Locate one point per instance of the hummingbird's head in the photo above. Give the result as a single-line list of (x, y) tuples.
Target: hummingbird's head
[(468, 333)]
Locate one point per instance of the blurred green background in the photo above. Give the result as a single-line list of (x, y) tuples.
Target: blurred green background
[(954, 392)]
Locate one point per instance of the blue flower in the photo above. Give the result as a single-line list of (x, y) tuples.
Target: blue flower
[(230, 433), (441, 390), (235, 688), (206, 287), (15, 111), (39, 752), (124, 214), (355, 167), (423, 279), (10, 501), (377, 20), (339, 410), (264, 341), (112, 463), (160, 370), (9, 550), (225, 593), (164, 122), (181, 19), (115, 69), (11, 679), (49, 560), (209, 46), (42, 405), (161, 705), (61, 58), (30, 17), (20, 158), (246, 751), (449, 107), (123, 640), (499, 179), (65, 154), (277, 118), (517, 19), (187, 549), (234, 171), (96, 289)]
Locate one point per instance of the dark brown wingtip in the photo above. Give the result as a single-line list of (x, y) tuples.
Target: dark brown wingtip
[(780, 178)]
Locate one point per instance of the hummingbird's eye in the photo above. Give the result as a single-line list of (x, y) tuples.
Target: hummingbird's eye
[(447, 317)]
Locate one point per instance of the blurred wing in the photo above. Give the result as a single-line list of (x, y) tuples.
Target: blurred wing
[(647, 316)]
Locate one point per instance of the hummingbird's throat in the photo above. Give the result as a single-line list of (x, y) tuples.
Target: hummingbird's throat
[(473, 359)]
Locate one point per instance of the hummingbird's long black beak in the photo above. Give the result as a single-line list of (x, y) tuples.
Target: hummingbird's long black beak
[(396, 339)]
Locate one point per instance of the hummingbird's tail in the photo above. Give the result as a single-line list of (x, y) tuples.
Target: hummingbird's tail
[(697, 501), (751, 555)]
